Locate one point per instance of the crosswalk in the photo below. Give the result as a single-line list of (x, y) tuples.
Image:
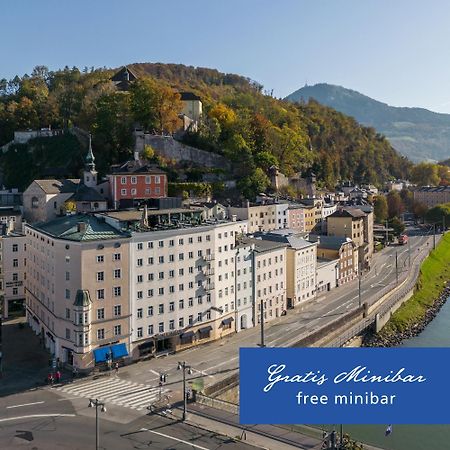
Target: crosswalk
[(116, 391)]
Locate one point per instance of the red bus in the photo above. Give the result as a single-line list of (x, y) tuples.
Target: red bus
[(403, 239)]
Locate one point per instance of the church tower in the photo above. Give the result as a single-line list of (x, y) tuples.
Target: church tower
[(89, 173)]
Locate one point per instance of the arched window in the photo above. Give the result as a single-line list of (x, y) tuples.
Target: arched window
[(34, 202)]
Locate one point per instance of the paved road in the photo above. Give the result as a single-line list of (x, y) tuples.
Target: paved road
[(41, 420)]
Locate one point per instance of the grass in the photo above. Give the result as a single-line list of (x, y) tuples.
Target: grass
[(434, 274)]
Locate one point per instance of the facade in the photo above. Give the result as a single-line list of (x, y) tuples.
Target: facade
[(431, 196), (296, 218), (269, 273), (368, 220), (343, 249), (76, 288), (192, 106), (245, 308), (182, 288), (259, 217), (12, 269), (327, 275), (43, 200), (135, 181)]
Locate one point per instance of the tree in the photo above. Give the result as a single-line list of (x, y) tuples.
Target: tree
[(439, 214), (419, 209), (155, 106), (253, 184), (148, 153), (380, 208), (425, 174), (397, 225), (395, 204)]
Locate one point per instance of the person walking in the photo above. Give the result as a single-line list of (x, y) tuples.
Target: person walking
[(50, 379), (74, 372), (116, 366), (58, 376)]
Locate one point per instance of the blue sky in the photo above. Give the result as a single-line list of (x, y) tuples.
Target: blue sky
[(396, 51)]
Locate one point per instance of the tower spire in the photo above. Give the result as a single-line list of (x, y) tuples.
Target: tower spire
[(90, 159)]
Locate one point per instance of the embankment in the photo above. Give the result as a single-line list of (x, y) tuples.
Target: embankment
[(432, 290)]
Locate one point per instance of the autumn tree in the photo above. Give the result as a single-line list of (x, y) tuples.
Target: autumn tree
[(425, 174), (394, 204), (155, 106)]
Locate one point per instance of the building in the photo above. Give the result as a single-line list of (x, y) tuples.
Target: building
[(301, 256), (296, 218), (123, 78), (192, 106), (11, 218), (269, 275), (245, 307), (43, 200), (77, 288), (13, 251), (260, 217), (349, 223), (342, 249), (135, 181), (327, 275), (368, 220), (431, 196)]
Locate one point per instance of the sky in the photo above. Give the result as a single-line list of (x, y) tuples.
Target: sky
[(395, 51)]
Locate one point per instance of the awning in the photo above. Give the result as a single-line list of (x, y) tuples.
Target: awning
[(119, 350), (186, 335), (205, 330), (227, 321), (101, 354)]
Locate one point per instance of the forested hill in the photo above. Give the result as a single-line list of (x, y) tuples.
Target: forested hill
[(250, 128), (418, 133)]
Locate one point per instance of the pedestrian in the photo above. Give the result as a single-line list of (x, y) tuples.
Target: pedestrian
[(74, 372), (58, 376), (50, 379), (116, 366)]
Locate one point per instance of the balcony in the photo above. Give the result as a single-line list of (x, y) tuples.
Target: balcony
[(208, 271), (208, 286), (208, 257)]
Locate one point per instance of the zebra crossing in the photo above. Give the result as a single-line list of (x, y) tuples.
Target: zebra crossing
[(116, 391)]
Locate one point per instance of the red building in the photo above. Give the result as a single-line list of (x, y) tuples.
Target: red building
[(134, 181)]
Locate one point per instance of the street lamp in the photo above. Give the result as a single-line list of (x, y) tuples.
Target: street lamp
[(182, 366), (98, 404)]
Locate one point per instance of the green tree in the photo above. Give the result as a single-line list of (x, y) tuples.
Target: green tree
[(425, 174), (380, 208), (439, 214), (253, 184)]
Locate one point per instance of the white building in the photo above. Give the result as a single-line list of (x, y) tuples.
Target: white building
[(244, 285)]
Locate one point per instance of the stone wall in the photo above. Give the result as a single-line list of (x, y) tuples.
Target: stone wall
[(169, 148)]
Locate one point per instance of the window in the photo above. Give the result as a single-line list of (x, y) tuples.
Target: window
[(100, 258), (150, 277), (191, 320), (140, 262), (161, 259), (172, 306), (100, 276), (101, 334), (181, 272), (67, 313), (161, 308), (150, 260), (116, 257), (117, 330), (150, 329), (181, 304), (100, 294), (140, 278), (67, 333), (15, 291), (140, 294), (15, 248), (140, 246), (118, 310), (149, 244), (161, 327), (133, 191), (161, 244), (171, 273), (147, 179), (161, 275), (199, 317), (123, 191), (172, 325), (191, 240), (150, 293), (171, 258), (180, 241), (67, 294), (191, 301), (171, 243), (100, 313), (171, 289), (15, 263), (157, 179), (123, 180), (161, 291), (181, 322), (117, 273), (133, 180), (139, 332), (139, 313)]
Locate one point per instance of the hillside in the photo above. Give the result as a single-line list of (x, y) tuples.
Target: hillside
[(417, 133), (252, 130)]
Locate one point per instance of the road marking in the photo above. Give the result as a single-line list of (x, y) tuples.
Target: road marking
[(154, 372), (36, 416), (25, 404), (68, 399), (175, 439)]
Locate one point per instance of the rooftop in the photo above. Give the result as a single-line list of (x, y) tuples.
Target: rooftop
[(79, 227), (53, 186), (330, 242), (262, 245), (354, 213), (185, 96), (288, 237)]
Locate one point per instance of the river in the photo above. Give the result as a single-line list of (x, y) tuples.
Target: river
[(413, 437)]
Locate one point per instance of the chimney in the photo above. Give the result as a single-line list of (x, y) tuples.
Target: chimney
[(81, 227), (136, 155)]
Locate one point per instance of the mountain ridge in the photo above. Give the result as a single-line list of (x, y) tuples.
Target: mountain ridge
[(418, 133)]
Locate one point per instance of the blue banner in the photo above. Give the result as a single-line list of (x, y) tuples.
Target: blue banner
[(345, 385)]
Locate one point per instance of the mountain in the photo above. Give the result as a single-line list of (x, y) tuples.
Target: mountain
[(417, 133)]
